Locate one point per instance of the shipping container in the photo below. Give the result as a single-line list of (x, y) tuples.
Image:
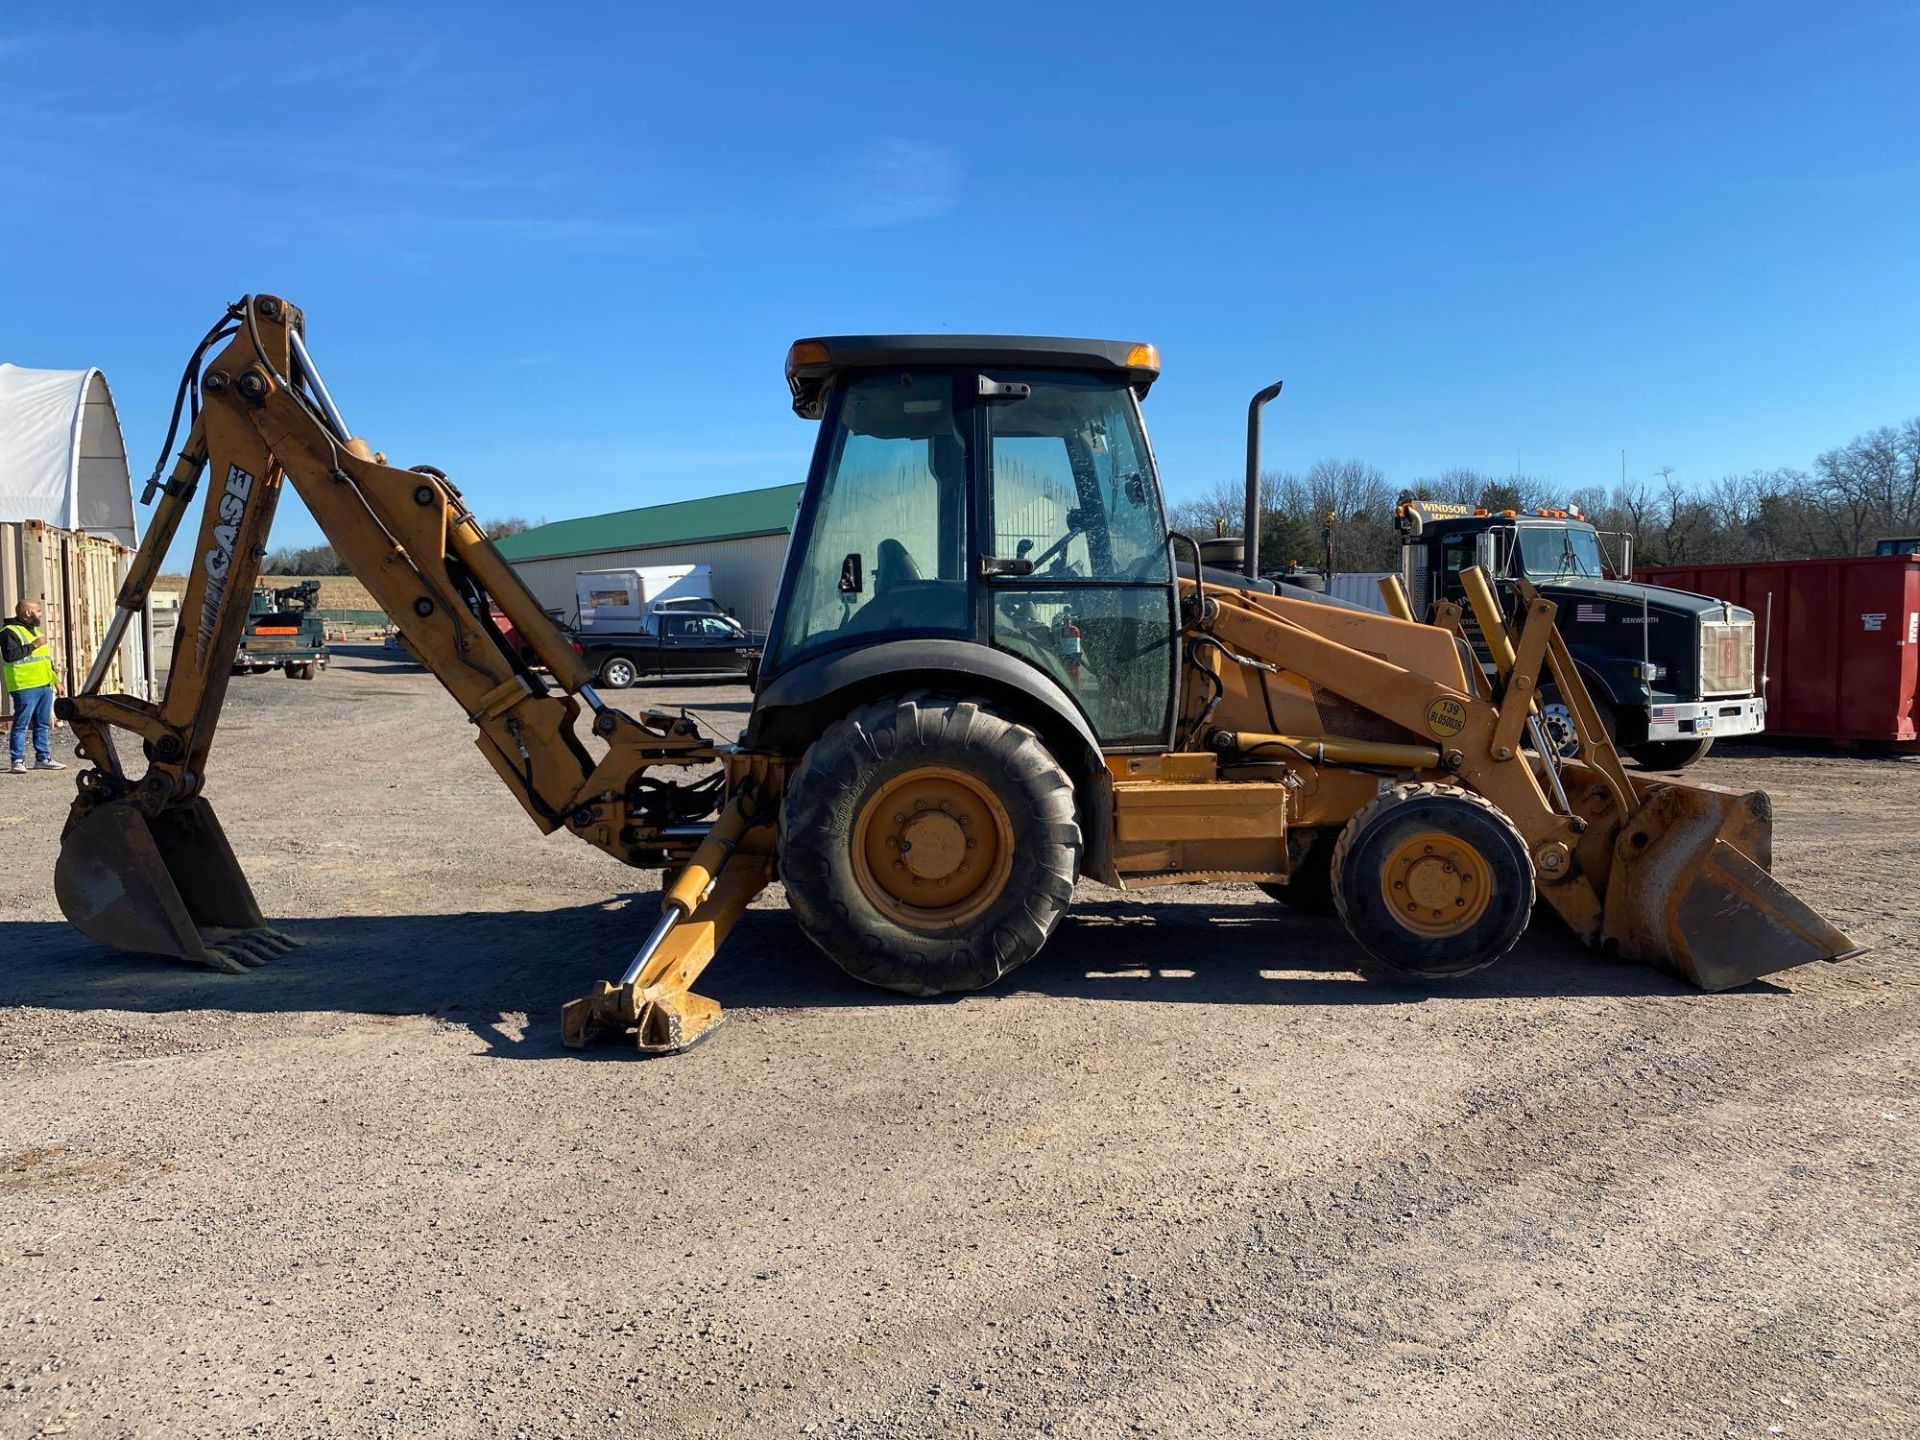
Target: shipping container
[(76, 577), (1842, 640), (1360, 587)]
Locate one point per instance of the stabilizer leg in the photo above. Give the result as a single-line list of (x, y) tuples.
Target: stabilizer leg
[(653, 1000)]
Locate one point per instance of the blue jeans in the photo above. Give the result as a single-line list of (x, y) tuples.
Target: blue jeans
[(32, 707)]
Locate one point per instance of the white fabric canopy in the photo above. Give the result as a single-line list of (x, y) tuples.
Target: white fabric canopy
[(62, 459)]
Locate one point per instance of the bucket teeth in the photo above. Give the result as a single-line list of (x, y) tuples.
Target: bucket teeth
[(227, 964), (250, 949)]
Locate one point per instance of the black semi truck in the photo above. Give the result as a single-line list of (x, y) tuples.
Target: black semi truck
[(1671, 671)]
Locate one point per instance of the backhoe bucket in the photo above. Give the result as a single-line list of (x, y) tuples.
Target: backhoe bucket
[(1689, 890), (166, 886)]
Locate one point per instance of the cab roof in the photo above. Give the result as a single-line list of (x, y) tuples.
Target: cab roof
[(814, 362)]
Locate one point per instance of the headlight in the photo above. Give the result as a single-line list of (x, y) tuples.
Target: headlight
[(1649, 672)]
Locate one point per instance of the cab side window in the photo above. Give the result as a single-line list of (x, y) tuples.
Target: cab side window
[(1072, 483)]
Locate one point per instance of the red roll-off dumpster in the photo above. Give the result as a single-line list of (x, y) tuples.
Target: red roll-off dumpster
[(1843, 640)]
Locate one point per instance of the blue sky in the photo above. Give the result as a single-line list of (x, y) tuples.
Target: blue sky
[(560, 251)]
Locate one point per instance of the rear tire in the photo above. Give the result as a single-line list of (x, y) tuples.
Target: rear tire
[(1670, 754), (983, 809), (1433, 882), (617, 672)]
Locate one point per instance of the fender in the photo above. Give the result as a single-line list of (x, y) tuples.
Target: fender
[(1606, 677), (802, 700)]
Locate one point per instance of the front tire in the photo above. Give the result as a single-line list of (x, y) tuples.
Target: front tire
[(929, 844), (617, 672), (1433, 882), (1558, 720), (1671, 754)]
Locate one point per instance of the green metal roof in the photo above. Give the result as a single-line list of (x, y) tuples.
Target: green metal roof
[(684, 522)]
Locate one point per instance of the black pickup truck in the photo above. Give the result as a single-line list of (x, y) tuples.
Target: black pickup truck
[(682, 637)]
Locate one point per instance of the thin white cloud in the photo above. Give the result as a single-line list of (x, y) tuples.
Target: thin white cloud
[(899, 181)]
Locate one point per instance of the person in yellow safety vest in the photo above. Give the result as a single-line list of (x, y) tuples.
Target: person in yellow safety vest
[(28, 670)]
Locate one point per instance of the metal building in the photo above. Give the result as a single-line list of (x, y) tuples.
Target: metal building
[(742, 536)]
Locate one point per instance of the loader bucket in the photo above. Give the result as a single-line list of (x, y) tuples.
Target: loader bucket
[(1689, 890), (163, 886)]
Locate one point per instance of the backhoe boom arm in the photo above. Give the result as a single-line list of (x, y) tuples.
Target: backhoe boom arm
[(409, 538)]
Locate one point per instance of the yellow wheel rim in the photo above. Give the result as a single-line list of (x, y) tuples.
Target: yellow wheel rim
[(933, 848), (1436, 885)]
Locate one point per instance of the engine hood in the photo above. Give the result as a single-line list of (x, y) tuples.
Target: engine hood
[(1620, 592)]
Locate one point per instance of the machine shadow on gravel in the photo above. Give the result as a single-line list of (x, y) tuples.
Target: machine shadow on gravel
[(532, 961)]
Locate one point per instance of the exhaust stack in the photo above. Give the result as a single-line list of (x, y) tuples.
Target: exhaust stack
[(1251, 525)]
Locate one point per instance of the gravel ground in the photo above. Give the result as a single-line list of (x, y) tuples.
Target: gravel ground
[(1184, 1175)]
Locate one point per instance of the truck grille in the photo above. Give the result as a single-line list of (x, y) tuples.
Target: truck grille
[(1726, 657)]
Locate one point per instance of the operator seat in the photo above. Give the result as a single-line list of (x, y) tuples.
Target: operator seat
[(892, 564), (904, 599)]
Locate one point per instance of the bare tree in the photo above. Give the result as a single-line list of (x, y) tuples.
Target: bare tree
[(1853, 494), (1456, 486), (505, 525)]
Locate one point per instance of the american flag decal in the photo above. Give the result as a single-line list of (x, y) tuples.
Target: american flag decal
[(1661, 712), (1590, 614)]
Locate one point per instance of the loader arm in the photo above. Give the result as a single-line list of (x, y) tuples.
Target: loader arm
[(268, 419), (1665, 872)]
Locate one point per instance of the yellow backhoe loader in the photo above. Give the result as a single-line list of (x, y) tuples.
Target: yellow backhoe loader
[(991, 671)]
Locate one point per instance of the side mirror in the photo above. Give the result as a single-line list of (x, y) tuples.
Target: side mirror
[(1485, 553), (850, 578)]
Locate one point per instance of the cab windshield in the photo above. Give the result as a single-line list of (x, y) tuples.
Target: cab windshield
[(1551, 550)]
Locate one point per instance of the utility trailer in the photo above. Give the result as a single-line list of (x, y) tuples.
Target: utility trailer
[(284, 632)]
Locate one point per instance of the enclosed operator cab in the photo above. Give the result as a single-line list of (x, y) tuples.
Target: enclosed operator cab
[(979, 491), (1671, 670)]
